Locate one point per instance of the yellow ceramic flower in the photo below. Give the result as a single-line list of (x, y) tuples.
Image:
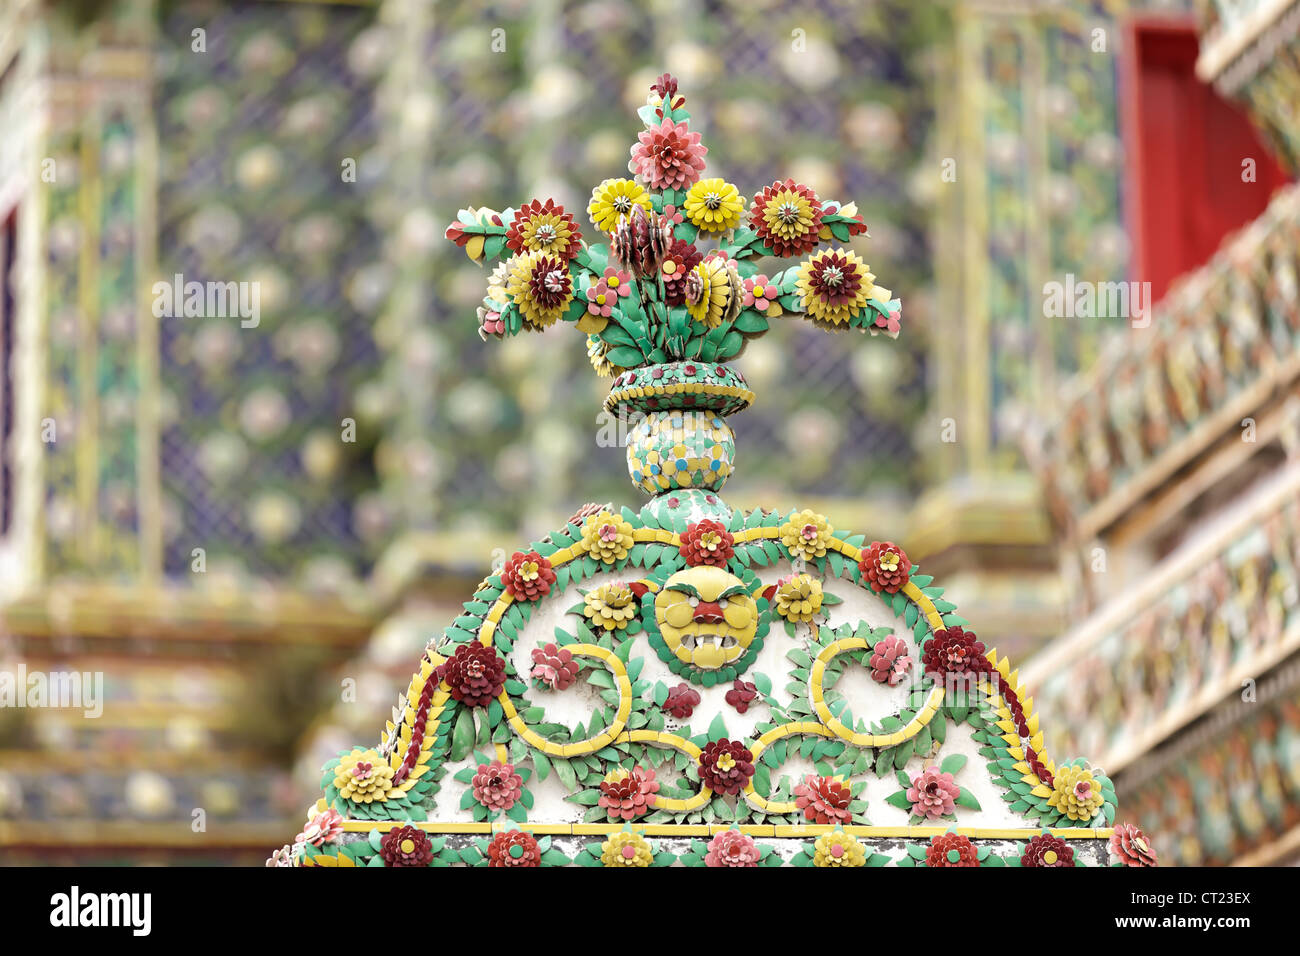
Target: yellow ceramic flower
[(626, 849), (540, 287), (717, 299), (837, 848), (714, 205), (799, 599), (834, 286), (598, 355), (806, 535), (363, 776), (1076, 793), (607, 536), (610, 605), (613, 199)]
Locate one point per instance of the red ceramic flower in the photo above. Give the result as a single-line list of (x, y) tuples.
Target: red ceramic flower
[(726, 766), (707, 542), (680, 260), (1130, 846), (885, 567), (889, 661), (788, 217), (513, 848), (544, 227), (954, 651), (628, 794), (668, 156), (823, 799), (527, 576), (682, 701), (496, 785), (1047, 850), (932, 793), (732, 848), (554, 666), (951, 849), (475, 673), (406, 846), (740, 696)]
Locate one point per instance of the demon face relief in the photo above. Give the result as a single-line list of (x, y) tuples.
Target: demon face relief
[(706, 617)]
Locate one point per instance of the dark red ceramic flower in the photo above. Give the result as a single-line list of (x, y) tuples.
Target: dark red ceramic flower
[(665, 86), (679, 260), (885, 567), (628, 794), (707, 542), (1047, 850), (476, 674), (741, 695), (823, 799), (682, 701), (406, 846), (951, 849), (954, 651), (527, 576), (1130, 846), (726, 766), (513, 848)]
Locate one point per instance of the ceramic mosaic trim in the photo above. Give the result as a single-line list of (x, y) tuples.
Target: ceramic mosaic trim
[(639, 681), (816, 723)]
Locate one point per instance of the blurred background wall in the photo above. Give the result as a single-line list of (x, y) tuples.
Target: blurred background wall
[(251, 532)]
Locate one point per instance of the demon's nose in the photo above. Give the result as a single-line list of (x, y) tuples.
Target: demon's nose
[(708, 612)]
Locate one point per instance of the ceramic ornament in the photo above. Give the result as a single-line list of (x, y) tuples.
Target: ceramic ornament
[(684, 683)]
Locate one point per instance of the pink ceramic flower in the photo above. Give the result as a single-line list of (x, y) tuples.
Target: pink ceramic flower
[(617, 281), (600, 301), (554, 666), (932, 793), (891, 325), (496, 785), (732, 848), (668, 156), (324, 827), (760, 293), (890, 661), (824, 800)]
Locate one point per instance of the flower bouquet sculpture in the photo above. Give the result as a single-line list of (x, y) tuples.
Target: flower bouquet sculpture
[(673, 289), (629, 690)]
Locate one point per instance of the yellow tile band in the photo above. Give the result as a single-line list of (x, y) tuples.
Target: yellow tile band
[(755, 829)]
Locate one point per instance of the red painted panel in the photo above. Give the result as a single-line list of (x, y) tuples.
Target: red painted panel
[(1185, 145)]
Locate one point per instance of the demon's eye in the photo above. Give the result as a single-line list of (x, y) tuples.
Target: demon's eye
[(722, 603), (695, 601)]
